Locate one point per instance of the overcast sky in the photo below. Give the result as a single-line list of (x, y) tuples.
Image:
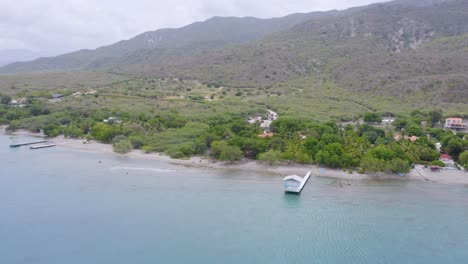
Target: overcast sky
[(51, 27)]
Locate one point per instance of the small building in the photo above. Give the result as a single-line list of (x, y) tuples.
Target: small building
[(112, 120), (266, 135), (388, 120), (14, 103), (400, 137), (455, 124), (292, 183), (447, 160), (438, 146), (57, 96)]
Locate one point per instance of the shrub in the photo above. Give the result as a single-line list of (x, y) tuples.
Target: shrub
[(72, 131), (464, 158), (123, 146), (302, 158), (231, 153), (371, 164), (438, 163), (272, 157), (148, 149), (372, 118), (399, 166), (104, 132), (118, 138), (137, 141)]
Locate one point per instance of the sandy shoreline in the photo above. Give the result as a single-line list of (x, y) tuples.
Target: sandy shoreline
[(419, 173)]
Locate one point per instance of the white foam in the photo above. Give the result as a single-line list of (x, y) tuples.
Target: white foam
[(142, 169)]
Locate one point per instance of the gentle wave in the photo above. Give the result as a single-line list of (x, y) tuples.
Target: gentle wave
[(142, 169)]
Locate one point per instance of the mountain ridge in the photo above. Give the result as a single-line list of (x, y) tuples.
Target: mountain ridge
[(212, 33), (399, 48)]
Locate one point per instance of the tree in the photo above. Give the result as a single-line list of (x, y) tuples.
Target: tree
[(371, 164), (285, 125), (217, 147), (372, 118), (52, 130), (464, 158), (331, 155), (5, 99), (36, 108), (371, 136), (230, 153), (104, 132), (454, 147), (399, 166), (401, 123), (271, 157), (435, 116), (414, 130)]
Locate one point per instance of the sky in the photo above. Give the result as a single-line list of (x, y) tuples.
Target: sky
[(52, 27)]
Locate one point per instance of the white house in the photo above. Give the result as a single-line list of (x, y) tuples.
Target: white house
[(292, 183), (447, 160), (454, 124), (112, 120)]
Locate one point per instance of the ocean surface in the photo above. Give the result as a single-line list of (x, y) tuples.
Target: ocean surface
[(65, 206)]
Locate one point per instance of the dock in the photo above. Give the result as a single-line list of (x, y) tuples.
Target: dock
[(295, 184), (43, 146), (27, 144)]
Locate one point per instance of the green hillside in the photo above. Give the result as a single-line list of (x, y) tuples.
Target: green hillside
[(392, 57)]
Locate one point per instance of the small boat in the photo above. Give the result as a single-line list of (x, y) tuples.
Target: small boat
[(294, 183)]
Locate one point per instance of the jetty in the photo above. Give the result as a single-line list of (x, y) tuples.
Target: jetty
[(295, 184), (43, 146), (28, 143)]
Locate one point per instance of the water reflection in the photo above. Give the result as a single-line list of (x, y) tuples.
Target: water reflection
[(292, 200)]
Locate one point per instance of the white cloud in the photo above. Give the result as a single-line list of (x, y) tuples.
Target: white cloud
[(64, 25)]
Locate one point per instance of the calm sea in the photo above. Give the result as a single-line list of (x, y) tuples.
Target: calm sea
[(63, 206)]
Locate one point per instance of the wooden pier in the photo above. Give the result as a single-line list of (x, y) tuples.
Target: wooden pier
[(27, 144), (295, 184), (43, 146)]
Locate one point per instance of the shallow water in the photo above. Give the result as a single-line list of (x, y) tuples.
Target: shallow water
[(63, 206)]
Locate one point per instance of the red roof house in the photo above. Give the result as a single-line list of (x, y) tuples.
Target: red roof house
[(266, 135)]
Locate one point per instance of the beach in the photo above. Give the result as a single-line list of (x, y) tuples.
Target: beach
[(444, 176)]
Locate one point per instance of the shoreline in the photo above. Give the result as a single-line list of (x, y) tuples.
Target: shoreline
[(418, 174)]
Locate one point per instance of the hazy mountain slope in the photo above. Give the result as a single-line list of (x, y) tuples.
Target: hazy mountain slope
[(8, 56), (393, 49), (212, 33)]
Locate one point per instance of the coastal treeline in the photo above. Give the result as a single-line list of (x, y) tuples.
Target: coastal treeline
[(229, 137)]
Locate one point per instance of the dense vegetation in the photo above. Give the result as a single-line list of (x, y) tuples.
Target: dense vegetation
[(228, 137), (332, 77)]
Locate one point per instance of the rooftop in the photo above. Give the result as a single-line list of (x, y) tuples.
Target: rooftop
[(445, 156), (293, 177)]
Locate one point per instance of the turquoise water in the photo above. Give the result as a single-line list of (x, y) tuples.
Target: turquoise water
[(62, 206)]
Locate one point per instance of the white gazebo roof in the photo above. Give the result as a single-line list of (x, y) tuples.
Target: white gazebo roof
[(293, 177)]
